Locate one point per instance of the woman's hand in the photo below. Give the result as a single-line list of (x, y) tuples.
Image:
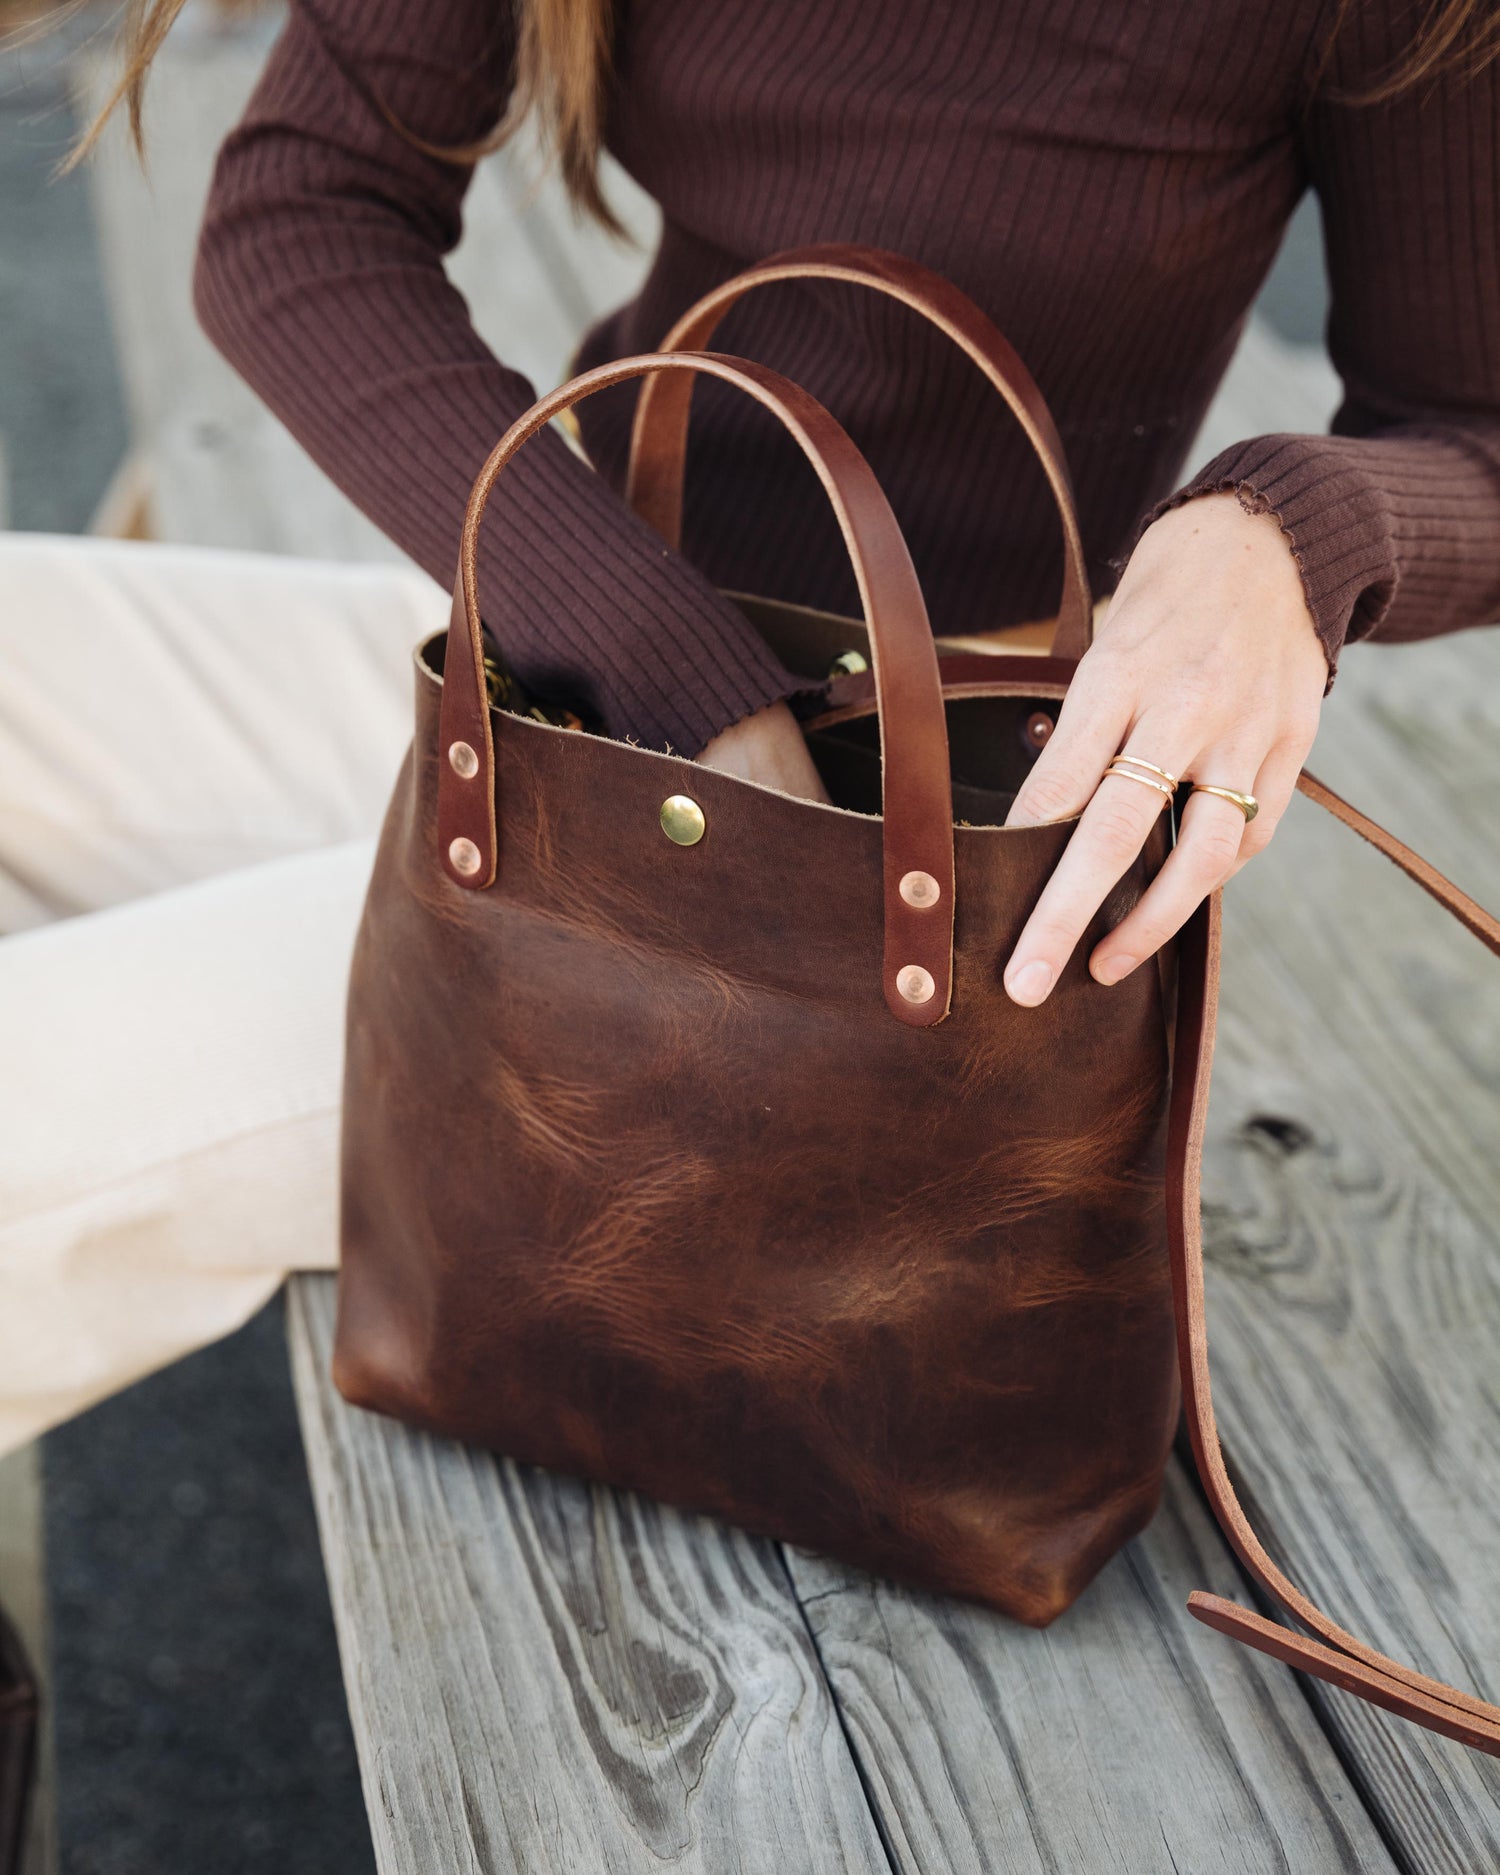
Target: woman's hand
[(1207, 665), (767, 747)]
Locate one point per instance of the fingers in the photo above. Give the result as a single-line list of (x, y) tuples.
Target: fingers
[(1214, 840), (1274, 788), (1090, 728), (1207, 851), (1190, 734), (1109, 835), (1205, 666)]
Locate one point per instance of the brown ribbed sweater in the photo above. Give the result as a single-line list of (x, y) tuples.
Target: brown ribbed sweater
[(1108, 178)]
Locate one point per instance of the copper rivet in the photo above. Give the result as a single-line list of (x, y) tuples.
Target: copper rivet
[(1039, 728), (465, 857), (920, 889), (682, 820), (463, 761), (915, 984)]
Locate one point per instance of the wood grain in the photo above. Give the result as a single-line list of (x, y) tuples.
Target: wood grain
[(1123, 1738), (544, 1676), (1352, 1206)]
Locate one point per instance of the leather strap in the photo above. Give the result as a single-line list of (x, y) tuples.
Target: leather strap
[(1334, 1655), (964, 674), (917, 802), (658, 444)]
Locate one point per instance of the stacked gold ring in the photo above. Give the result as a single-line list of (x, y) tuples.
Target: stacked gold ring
[(1137, 768), (1125, 766)]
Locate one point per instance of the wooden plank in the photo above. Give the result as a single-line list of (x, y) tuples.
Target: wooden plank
[(1123, 1738), (505, 1630), (542, 1675), (1352, 1210), (23, 1595)]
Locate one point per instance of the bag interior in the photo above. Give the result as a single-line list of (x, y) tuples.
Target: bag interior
[(991, 745), (992, 742)]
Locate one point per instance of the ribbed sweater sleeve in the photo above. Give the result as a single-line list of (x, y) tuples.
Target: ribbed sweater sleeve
[(1395, 517), (320, 277)]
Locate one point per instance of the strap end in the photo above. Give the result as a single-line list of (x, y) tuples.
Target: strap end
[(1475, 1724)]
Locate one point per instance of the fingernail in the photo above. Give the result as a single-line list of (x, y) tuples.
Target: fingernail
[(1112, 969), (1029, 985)]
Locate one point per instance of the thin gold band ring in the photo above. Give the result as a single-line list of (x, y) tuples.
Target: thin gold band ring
[(1146, 781), (1137, 761), (1246, 803)]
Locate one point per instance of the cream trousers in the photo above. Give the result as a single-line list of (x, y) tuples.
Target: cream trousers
[(195, 751)]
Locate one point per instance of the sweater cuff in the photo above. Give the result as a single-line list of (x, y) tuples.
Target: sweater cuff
[(590, 608), (1335, 519)]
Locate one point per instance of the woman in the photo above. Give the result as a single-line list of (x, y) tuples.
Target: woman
[(1109, 183)]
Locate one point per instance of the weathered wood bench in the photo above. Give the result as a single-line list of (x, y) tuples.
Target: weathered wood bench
[(547, 1676)]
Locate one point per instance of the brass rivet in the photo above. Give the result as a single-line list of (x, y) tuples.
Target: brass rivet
[(848, 664), (916, 984), (463, 761), (465, 857), (920, 889), (682, 820)]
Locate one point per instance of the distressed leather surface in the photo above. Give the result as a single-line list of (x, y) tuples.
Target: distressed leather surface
[(643, 1182), (638, 1182)]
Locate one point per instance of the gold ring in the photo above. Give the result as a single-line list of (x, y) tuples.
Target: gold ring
[(1246, 803), (1137, 761), (1146, 781)]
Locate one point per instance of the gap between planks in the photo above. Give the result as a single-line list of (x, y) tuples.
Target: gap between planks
[(1351, 1216), (687, 1701)]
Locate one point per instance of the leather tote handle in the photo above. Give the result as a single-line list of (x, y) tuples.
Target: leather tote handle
[(1334, 1655), (917, 802), (658, 443)]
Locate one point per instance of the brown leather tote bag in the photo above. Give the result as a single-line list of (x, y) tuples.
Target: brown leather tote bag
[(691, 1143)]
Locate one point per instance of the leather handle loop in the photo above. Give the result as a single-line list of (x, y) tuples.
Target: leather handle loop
[(917, 801), (658, 444), (1335, 1655)]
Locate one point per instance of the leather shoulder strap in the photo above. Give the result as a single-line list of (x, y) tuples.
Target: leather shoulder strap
[(1334, 1655)]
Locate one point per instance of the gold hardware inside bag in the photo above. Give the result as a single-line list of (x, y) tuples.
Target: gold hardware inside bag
[(505, 693)]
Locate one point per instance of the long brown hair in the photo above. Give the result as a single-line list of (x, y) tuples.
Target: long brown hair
[(564, 68), (563, 72)]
